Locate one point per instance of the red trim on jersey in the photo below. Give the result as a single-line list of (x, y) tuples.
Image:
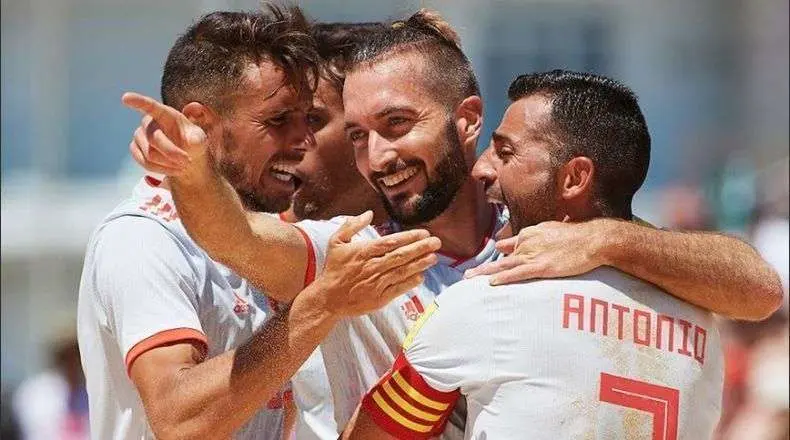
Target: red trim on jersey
[(405, 406), (166, 337), (488, 236), (152, 181), (309, 275)]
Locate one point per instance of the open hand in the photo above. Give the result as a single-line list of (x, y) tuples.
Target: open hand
[(546, 250), (362, 276)]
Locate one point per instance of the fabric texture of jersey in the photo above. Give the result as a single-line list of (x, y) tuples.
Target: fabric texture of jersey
[(360, 350), (145, 283), (603, 355)]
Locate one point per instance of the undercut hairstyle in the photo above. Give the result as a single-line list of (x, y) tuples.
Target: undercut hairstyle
[(447, 72), (596, 117), (337, 43), (208, 62)]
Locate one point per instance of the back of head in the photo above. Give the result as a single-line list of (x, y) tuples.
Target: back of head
[(208, 61), (447, 72), (338, 42), (600, 118)]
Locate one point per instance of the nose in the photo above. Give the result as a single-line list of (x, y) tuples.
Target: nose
[(380, 152), (484, 170)]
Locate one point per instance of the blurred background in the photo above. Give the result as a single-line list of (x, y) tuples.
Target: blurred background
[(712, 77)]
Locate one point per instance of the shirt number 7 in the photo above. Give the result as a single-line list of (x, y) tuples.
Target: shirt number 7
[(660, 401)]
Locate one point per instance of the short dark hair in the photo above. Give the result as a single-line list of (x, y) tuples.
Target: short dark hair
[(448, 73), (337, 43), (208, 60), (600, 118)]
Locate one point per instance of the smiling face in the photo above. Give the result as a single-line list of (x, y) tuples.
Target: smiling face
[(405, 140), (260, 140), (517, 168)]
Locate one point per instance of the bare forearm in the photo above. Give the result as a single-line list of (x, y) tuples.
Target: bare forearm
[(714, 271), (260, 248), (215, 398)]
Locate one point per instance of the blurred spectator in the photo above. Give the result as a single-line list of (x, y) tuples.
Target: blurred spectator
[(684, 207), (53, 405)]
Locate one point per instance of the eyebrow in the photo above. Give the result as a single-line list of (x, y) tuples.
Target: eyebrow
[(393, 109), (384, 112), (500, 137), (274, 114)]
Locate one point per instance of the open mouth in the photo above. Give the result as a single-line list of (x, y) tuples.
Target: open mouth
[(286, 173), (399, 178)]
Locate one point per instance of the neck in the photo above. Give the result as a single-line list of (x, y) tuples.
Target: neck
[(464, 224), (587, 211)]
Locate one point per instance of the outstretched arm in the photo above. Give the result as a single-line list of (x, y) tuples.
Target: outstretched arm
[(714, 271), (270, 253)]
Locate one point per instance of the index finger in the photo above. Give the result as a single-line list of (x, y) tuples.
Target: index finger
[(147, 105), (381, 246)]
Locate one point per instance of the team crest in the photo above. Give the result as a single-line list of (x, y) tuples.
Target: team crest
[(412, 308)]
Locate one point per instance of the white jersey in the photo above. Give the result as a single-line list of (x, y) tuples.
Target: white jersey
[(598, 356), (360, 350), (145, 284)]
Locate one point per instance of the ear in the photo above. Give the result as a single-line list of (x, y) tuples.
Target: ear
[(201, 115), (576, 178), (469, 119)]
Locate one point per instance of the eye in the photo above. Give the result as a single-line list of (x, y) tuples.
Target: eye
[(356, 136), (315, 121), (396, 120), (503, 153), (277, 121)]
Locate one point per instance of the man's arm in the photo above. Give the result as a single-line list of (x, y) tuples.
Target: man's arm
[(713, 271), (271, 254), (187, 396)]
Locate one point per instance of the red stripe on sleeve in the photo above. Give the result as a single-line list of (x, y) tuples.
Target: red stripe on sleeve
[(166, 337), (309, 275)]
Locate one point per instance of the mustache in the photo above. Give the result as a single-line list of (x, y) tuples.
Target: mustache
[(291, 156), (394, 167)]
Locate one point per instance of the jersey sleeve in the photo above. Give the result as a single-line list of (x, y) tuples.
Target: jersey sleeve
[(147, 286), (443, 353)]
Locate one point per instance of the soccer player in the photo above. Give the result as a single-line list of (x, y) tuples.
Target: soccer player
[(601, 355), (176, 345), (413, 114)]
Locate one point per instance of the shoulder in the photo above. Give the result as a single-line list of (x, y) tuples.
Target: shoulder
[(134, 230), (465, 293), (134, 243)]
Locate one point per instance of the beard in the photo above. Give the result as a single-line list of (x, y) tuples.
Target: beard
[(450, 173), (252, 195), (530, 209)]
